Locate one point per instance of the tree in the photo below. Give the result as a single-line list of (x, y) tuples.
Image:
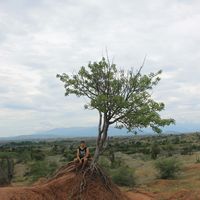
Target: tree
[(121, 97)]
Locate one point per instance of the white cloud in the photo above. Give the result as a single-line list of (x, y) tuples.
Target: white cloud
[(39, 39)]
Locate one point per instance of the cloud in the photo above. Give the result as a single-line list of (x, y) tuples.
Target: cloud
[(39, 39)]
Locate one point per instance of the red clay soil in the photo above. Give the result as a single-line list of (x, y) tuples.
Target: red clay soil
[(185, 195), (180, 195), (66, 184), (139, 196)]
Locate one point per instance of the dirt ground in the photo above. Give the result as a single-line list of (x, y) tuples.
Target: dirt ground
[(139, 196), (44, 192)]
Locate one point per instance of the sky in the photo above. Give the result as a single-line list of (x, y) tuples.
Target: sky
[(41, 38)]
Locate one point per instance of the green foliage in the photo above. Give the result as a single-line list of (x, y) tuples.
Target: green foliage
[(6, 170), (37, 155), (41, 169), (176, 140), (155, 150), (168, 167), (138, 148), (104, 163), (123, 176), (69, 155), (116, 163), (197, 159), (169, 148), (24, 156), (187, 150), (4, 155), (122, 96)]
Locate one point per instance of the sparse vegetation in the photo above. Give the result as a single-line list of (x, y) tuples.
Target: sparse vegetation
[(136, 152)]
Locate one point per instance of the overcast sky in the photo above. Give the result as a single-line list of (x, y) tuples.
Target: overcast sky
[(40, 38)]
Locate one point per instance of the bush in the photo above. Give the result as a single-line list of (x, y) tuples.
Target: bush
[(37, 155), (69, 155), (123, 176), (4, 155), (104, 163), (155, 150), (168, 167), (24, 157), (187, 150), (6, 170), (197, 159), (169, 148), (41, 169)]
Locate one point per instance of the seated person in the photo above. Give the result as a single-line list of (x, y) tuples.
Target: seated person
[(82, 154)]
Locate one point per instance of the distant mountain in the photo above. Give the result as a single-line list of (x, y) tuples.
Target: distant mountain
[(182, 128), (92, 132), (65, 133)]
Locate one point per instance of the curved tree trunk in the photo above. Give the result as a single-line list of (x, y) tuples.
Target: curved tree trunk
[(101, 140), (102, 136)]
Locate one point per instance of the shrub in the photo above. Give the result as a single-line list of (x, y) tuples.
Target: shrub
[(197, 159), (104, 163), (155, 150), (24, 156), (176, 140), (41, 169), (6, 170), (169, 148), (37, 155), (69, 155), (145, 150), (123, 176), (187, 150), (4, 155), (168, 167)]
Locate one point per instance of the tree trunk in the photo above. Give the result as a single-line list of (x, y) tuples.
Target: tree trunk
[(96, 154), (100, 144), (102, 136)]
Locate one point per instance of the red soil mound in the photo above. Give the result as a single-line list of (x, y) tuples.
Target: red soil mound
[(67, 184)]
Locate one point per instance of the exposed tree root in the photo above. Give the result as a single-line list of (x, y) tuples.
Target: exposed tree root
[(91, 172)]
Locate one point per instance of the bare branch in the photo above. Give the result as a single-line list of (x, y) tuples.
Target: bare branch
[(141, 65), (107, 57)]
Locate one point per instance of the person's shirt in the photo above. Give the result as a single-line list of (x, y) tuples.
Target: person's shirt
[(82, 152)]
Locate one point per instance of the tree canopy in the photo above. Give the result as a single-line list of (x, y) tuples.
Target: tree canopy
[(121, 97)]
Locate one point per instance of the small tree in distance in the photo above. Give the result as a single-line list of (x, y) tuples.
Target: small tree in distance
[(121, 97)]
